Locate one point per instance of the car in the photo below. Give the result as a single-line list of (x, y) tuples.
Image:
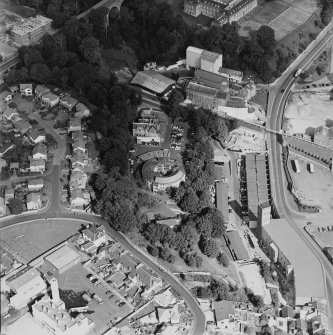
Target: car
[(121, 304), (283, 90), (111, 296), (117, 301)]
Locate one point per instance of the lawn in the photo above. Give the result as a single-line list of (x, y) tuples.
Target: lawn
[(32, 239)]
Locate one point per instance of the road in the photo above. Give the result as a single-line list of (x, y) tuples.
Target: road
[(56, 211), (275, 112)]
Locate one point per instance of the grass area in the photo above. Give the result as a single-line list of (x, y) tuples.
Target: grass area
[(261, 99), (32, 239)]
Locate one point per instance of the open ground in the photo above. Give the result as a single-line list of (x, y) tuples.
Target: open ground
[(306, 111), (283, 16), (31, 239), (315, 189)]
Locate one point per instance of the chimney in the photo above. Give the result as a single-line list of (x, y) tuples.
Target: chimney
[(54, 289)]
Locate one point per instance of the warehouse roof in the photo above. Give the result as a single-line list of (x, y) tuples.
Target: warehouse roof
[(62, 256), (211, 79), (152, 80), (22, 277), (308, 273)]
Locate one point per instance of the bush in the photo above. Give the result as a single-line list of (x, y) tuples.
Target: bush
[(223, 259), (208, 247)]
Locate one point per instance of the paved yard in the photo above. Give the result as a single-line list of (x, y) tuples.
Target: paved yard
[(32, 239), (74, 282)]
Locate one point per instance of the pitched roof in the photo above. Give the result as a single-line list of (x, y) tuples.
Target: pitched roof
[(25, 86), (33, 197), (152, 80), (39, 148)]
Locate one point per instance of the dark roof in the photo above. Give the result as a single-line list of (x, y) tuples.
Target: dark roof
[(210, 79), (221, 190), (218, 172)]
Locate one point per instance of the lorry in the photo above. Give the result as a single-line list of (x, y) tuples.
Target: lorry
[(311, 168), (297, 168), (298, 72), (98, 299)]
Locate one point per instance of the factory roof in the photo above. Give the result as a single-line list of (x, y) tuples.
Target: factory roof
[(153, 81), (62, 256), (211, 79), (201, 89), (22, 277), (308, 273)]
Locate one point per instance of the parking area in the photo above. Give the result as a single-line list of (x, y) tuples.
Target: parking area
[(75, 282)]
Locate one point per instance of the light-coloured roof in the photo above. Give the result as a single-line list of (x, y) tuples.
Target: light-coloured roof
[(194, 50), (153, 81), (230, 72), (308, 273), (210, 56), (74, 122), (62, 256), (170, 179), (37, 162), (80, 107), (38, 181), (33, 197), (22, 277), (25, 86), (68, 100), (50, 96), (30, 25)]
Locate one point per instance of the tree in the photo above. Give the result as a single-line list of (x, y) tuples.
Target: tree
[(321, 69), (153, 250), (5, 173), (256, 300), (326, 13), (175, 98), (15, 206), (89, 48), (266, 37), (208, 247), (223, 259), (40, 73), (190, 201), (198, 261)]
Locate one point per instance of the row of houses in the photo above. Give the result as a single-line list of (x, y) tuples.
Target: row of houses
[(235, 318)]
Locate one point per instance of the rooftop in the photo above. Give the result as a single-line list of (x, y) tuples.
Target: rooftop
[(30, 25), (152, 81), (223, 309), (231, 72), (308, 272), (210, 56), (22, 277), (62, 256), (194, 50)]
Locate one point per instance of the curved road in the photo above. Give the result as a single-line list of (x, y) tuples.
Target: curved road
[(274, 121)]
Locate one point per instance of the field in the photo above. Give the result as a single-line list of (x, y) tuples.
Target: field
[(32, 239), (283, 16), (306, 111), (315, 189)]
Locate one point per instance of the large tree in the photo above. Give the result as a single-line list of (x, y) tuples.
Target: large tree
[(208, 247), (89, 48), (266, 38), (40, 73), (15, 206)]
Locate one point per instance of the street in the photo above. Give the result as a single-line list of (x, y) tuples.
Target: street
[(275, 112)]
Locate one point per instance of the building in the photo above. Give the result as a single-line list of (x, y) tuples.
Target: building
[(94, 234), (35, 184), (221, 199), (3, 208), (79, 198), (153, 82), (324, 136), (40, 90), (61, 260), (31, 30), (213, 80), (283, 245), (52, 315), (34, 201), (50, 99), (27, 285), (193, 57), (26, 89), (22, 126), (10, 113), (79, 145), (169, 222), (37, 136), (264, 215), (3, 163), (81, 111), (6, 96), (235, 11), (210, 8), (211, 61), (258, 186), (205, 97), (68, 102), (37, 165), (224, 310), (74, 124), (78, 180), (231, 75), (39, 151)]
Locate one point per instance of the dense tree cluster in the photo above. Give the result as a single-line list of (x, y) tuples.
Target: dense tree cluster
[(326, 13), (15, 206)]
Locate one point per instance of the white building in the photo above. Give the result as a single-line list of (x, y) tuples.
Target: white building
[(26, 285), (81, 111), (74, 124), (39, 151), (80, 198), (34, 201), (6, 96), (35, 184), (37, 165), (31, 30), (50, 99)]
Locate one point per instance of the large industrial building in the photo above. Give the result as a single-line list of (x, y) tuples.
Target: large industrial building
[(153, 82), (31, 30), (203, 59), (26, 284), (61, 260), (221, 11), (258, 186), (284, 246)]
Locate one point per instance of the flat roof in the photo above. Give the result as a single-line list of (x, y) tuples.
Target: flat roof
[(221, 190), (309, 280), (210, 56), (31, 24), (22, 277), (170, 179), (152, 80), (194, 50), (62, 256)]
